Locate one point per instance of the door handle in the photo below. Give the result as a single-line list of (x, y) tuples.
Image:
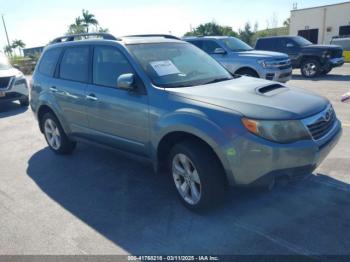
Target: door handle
[(91, 97), (70, 95)]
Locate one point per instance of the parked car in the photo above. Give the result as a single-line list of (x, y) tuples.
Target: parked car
[(313, 60), (13, 84), (168, 101), (240, 58), (344, 42)]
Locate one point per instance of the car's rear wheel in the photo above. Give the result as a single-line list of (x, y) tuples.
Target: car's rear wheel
[(310, 68), (197, 175), (24, 102), (55, 135)]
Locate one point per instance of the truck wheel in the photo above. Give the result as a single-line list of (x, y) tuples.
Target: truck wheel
[(247, 72), (55, 135), (310, 68), (24, 102), (197, 174)]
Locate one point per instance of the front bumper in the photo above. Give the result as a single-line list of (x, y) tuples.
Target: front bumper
[(257, 161), (15, 91), (336, 62), (278, 75)]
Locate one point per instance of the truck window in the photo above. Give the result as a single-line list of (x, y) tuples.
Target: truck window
[(49, 61)]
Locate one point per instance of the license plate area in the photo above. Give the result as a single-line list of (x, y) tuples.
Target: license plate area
[(2, 94)]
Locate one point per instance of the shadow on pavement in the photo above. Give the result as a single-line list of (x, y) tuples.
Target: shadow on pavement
[(11, 109), (127, 203), (329, 77)]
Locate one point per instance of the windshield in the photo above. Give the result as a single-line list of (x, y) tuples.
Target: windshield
[(301, 41), (178, 64), (4, 62), (235, 44)]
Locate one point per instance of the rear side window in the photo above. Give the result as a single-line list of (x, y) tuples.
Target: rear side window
[(75, 64), (265, 44), (49, 61), (109, 63), (196, 43)]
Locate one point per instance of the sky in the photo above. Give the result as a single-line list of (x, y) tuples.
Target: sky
[(36, 22)]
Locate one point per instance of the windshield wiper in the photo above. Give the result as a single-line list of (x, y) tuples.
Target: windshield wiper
[(217, 80)]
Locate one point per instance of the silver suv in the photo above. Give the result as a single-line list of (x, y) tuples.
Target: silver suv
[(171, 103), (240, 58), (13, 84)]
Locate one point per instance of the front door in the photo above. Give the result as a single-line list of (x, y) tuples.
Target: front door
[(116, 117)]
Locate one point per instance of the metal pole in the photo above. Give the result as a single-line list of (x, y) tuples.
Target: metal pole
[(7, 36)]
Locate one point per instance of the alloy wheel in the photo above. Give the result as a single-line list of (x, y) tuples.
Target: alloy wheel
[(52, 134)]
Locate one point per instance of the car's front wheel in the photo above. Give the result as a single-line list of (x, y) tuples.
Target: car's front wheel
[(310, 68), (55, 135), (197, 175)]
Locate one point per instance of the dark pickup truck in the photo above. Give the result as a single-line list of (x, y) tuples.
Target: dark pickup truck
[(313, 60)]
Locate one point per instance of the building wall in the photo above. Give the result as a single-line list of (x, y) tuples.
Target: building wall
[(331, 17)]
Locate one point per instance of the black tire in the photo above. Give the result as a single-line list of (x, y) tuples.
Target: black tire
[(66, 145), (247, 72), (213, 184), (310, 68), (24, 102)]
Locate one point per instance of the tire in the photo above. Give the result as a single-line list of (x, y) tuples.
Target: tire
[(55, 136), (201, 191), (247, 72), (24, 102), (310, 68)]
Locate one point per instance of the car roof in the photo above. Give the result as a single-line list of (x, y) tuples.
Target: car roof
[(141, 39), (276, 37), (204, 37)]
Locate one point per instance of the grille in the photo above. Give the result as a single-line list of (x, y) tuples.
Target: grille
[(337, 53), (323, 124), (4, 82), (284, 64)]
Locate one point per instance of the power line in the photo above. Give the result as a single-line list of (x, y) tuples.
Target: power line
[(7, 36)]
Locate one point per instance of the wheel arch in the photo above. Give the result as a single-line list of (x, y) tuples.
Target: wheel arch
[(247, 68)]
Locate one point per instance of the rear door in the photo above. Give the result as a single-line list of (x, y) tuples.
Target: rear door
[(289, 47), (117, 117), (70, 84)]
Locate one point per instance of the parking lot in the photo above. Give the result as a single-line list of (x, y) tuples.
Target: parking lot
[(97, 201)]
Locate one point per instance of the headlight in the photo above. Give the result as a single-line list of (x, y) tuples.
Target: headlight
[(326, 54), (20, 79), (284, 131), (267, 64)]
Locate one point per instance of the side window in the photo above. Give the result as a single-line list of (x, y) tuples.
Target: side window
[(209, 46), (109, 63), (265, 44), (75, 64), (197, 44), (49, 61)]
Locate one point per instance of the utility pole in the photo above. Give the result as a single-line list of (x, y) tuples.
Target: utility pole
[(7, 36)]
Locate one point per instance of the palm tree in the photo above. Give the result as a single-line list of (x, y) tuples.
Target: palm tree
[(8, 50), (77, 27), (18, 44), (88, 19)]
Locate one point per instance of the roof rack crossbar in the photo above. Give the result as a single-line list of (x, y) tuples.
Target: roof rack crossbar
[(155, 35), (72, 37)]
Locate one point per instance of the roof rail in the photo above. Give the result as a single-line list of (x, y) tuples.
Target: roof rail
[(68, 38), (155, 35)]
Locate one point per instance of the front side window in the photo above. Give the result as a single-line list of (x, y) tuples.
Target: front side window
[(301, 41), (75, 64), (4, 62), (49, 61), (234, 44), (209, 46), (177, 64), (109, 63)]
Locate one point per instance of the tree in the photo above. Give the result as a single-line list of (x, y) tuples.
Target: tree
[(8, 50), (18, 44), (247, 34), (210, 29), (286, 23), (88, 19), (77, 27)]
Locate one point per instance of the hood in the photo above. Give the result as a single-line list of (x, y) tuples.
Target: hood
[(325, 47), (9, 72), (256, 98), (263, 54)]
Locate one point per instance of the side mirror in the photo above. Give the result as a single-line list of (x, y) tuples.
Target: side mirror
[(290, 45), (126, 81), (219, 51)]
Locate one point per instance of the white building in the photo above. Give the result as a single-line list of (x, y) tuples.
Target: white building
[(320, 24)]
